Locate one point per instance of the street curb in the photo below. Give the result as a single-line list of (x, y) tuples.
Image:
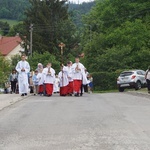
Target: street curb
[(14, 101)]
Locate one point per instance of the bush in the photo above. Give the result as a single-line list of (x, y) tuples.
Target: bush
[(104, 80)]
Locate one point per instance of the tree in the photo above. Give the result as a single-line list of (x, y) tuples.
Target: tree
[(17, 29), (120, 34), (4, 28), (4, 70), (51, 25), (45, 58)]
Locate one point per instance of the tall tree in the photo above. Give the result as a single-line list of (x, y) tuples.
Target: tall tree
[(51, 25), (120, 34)]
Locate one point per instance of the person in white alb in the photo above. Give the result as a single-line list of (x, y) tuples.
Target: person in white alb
[(63, 77), (40, 83), (23, 68), (49, 77), (78, 72), (70, 78), (56, 84)]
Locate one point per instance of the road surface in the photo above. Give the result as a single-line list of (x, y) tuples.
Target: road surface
[(114, 121)]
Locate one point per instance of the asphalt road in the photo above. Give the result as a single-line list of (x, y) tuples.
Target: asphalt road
[(115, 121)]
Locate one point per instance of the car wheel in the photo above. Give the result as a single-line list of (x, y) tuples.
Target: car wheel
[(138, 85), (121, 89)]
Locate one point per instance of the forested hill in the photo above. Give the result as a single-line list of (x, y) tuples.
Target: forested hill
[(14, 9), (77, 10)]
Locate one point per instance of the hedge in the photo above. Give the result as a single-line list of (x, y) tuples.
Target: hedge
[(103, 81)]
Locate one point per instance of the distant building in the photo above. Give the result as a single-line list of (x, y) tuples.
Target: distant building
[(10, 46)]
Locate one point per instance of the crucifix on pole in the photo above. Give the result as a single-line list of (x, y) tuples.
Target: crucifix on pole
[(61, 45)]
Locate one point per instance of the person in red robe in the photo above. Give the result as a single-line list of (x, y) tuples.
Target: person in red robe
[(63, 77), (49, 77), (70, 78), (78, 70)]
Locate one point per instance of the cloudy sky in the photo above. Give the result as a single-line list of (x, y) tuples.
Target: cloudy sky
[(80, 1)]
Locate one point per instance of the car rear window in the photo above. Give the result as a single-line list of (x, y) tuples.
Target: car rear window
[(123, 74)]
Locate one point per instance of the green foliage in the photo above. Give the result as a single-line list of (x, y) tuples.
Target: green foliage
[(118, 37), (45, 58), (4, 28), (13, 9), (14, 60), (18, 28), (78, 10), (4, 70), (51, 25), (104, 80)]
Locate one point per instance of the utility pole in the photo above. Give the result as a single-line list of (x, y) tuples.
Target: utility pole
[(31, 30)]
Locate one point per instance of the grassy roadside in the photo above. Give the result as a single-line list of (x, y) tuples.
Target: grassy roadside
[(143, 90)]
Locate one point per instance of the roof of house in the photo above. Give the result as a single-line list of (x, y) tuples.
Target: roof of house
[(7, 44)]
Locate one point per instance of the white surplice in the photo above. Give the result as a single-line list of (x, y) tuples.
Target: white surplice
[(48, 77), (63, 76), (79, 74), (23, 76)]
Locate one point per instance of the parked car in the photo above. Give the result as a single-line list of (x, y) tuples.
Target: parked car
[(131, 79)]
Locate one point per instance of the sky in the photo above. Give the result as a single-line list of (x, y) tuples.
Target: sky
[(80, 1)]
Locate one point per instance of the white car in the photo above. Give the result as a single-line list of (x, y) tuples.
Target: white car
[(131, 79)]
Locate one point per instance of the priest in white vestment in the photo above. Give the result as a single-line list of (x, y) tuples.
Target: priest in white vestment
[(23, 68)]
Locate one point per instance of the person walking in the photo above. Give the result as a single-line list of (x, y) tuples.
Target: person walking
[(56, 85), (70, 78), (35, 82), (23, 68), (49, 77), (147, 77), (62, 75), (13, 79), (78, 70), (40, 82), (90, 78)]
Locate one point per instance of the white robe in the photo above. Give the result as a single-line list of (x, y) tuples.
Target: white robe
[(23, 76), (56, 85), (70, 73), (63, 77), (40, 78), (79, 74), (48, 78)]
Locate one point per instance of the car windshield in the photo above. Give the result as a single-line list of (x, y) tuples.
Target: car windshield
[(123, 74)]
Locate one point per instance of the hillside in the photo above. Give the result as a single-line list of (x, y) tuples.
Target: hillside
[(14, 10)]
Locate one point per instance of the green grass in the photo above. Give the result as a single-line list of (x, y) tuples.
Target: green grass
[(142, 90), (10, 22), (107, 91)]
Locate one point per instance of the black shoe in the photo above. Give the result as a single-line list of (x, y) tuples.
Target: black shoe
[(25, 94), (77, 94), (22, 94)]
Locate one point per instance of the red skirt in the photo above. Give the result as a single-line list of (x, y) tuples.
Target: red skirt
[(70, 87), (63, 90), (77, 85), (49, 88), (41, 89)]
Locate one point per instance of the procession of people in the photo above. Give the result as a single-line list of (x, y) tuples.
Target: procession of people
[(70, 80)]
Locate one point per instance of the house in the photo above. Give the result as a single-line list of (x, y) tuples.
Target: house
[(10, 46)]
